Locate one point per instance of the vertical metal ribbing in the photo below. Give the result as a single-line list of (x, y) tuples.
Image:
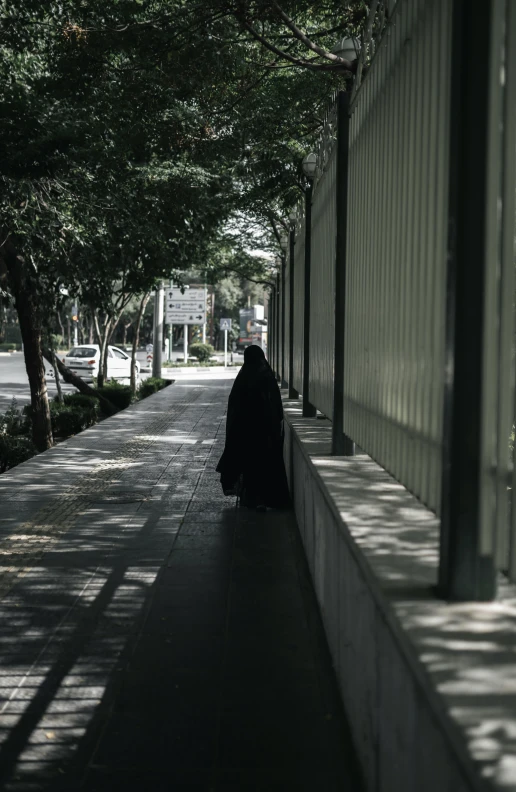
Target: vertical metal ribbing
[(464, 572), (341, 444), (492, 377), (504, 284), (270, 330), (415, 93), (438, 245), (283, 318), (299, 264), (508, 250), (426, 150), (292, 392), (277, 352), (309, 410)]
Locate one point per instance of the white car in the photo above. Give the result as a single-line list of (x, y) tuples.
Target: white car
[(84, 361)]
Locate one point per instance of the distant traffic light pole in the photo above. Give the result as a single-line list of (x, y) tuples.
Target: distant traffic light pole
[(75, 320)]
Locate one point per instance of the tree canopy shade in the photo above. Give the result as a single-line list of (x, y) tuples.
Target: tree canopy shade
[(132, 132)]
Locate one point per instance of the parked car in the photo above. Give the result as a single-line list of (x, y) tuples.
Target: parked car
[(84, 361)]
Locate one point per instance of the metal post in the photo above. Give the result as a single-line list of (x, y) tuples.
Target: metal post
[(185, 343), (277, 325), (205, 314), (341, 445), (292, 392), (284, 383), (76, 324), (464, 572), (225, 348), (309, 410), (159, 296), (271, 328), (170, 333)]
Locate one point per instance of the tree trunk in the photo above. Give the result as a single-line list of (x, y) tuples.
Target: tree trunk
[(25, 296), (127, 325), (61, 327), (141, 311), (103, 342), (57, 378), (92, 330), (68, 335), (79, 383)]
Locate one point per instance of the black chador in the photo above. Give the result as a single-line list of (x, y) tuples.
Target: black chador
[(252, 462)]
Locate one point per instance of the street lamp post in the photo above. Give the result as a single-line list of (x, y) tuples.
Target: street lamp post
[(283, 259), (292, 392), (309, 167)]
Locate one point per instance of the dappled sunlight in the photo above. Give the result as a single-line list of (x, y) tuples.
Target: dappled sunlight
[(468, 649)]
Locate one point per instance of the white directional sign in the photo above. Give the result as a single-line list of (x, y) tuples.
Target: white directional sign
[(187, 308), (225, 324), (186, 317), (176, 295)]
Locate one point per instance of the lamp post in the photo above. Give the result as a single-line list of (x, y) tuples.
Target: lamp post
[(292, 392), (277, 326), (283, 259), (309, 168)]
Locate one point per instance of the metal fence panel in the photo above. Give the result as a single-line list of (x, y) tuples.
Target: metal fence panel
[(396, 255), (287, 318), (299, 298), (322, 294)]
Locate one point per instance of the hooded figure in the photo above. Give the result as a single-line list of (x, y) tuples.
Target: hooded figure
[(252, 462)]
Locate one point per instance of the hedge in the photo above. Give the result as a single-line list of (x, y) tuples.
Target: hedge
[(152, 385), (119, 395)]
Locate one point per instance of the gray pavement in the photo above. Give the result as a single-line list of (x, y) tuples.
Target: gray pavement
[(152, 635)]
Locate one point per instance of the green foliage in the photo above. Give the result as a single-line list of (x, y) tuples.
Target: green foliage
[(152, 385), (81, 400), (119, 395), (15, 421), (69, 420), (8, 347), (202, 352), (14, 450)]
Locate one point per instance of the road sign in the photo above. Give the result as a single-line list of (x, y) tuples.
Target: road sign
[(185, 317), (225, 324), (175, 295), (186, 305)]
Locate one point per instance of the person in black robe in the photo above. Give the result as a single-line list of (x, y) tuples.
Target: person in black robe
[(252, 463)]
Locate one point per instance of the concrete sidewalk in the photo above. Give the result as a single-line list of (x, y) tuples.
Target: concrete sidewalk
[(153, 637)]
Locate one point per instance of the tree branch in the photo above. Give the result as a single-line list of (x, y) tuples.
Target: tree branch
[(345, 64), (342, 64)]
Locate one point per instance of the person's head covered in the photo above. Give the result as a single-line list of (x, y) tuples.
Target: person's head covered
[(253, 355)]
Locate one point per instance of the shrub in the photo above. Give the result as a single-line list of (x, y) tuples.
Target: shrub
[(69, 420), (119, 395), (202, 352), (8, 347), (15, 421), (152, 385), (82, 400), (14, 450)]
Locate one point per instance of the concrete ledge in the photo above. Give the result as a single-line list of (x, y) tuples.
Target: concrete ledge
[(429, 687)]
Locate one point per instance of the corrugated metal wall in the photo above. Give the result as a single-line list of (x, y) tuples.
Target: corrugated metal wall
[(322, 292), (396, 255), (287, 317), (299, 298)]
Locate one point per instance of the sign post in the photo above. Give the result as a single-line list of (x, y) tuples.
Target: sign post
[(225, 324)]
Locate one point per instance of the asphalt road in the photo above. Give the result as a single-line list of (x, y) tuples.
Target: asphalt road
[(15, 384)]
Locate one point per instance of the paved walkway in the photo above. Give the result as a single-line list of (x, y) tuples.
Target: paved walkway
[(152, 636)]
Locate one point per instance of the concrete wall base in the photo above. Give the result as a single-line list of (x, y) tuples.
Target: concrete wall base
[(429, 687)]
